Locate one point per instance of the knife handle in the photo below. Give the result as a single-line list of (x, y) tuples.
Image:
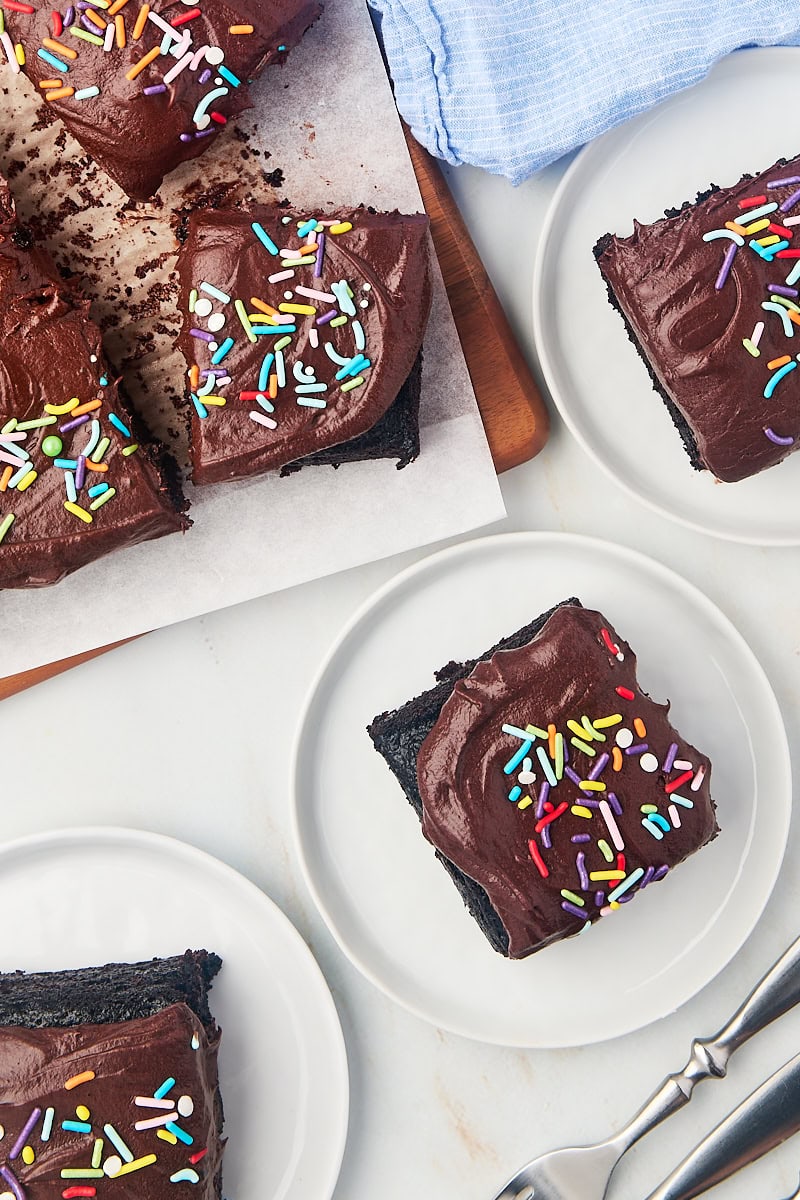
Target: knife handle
[(775, 994), (768, 1116)]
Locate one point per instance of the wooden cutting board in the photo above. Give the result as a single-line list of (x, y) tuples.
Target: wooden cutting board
[(510, 403)]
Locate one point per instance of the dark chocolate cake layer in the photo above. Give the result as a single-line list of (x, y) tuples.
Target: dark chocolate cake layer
[(79, 477), (710, 296), (548, 779), (173, 74), (300, 333)]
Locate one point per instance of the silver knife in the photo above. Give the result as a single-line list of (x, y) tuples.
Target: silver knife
[(768, 1116)]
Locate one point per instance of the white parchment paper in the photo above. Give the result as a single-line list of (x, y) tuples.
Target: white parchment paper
[(324, 132)]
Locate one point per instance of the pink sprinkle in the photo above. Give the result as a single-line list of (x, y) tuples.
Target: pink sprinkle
[(304, 291), (698, 779), (154, 1122), (280, 275)]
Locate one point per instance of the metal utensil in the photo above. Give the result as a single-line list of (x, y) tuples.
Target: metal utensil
[(768, 1116), (583, 1172)]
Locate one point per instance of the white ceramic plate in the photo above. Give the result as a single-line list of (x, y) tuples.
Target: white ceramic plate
[(393, 908), (89, 896), (595, 375)]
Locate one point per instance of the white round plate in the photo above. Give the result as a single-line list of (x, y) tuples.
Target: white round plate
[(595, 375), (391, 905), (89, 896)]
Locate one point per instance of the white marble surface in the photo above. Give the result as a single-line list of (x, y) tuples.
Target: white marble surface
[(190, 731)]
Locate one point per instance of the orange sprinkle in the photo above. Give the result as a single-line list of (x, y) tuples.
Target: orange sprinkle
[(779, 362), (736, 228), (59, 93), (241, 29), (84, 1077), (793, 316), (90, 466), (52, 44), (551, 740), (308, 248), (51, 83), (116, 7), (143, 63), (89, 406), (93, 17), (119, 25), (262, 307), (638, 723), (141, 21), (9, 471), (194, 377), (616, 758), (273, 386)]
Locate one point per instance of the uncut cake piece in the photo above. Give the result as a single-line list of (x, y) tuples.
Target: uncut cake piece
[(108, 1081), (710, 296), (77, 477), (145, 86), (302, 333), (551, 786)]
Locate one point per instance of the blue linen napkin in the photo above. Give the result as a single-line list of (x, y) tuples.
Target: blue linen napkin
[(511, 85)]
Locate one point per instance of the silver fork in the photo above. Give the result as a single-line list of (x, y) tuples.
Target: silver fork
[(584, 1172)]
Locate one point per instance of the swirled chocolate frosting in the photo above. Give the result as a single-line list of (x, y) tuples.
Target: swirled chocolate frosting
[(173, 74), (711, 298), (299, 330), (553, 781)]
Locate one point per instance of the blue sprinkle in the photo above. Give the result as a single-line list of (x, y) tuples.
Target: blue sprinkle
[(515, 794), (69, 484), (271, 330), (263, 375), (98, 489), (180, 1134), (66, 464), (166, 1086), (307, 227), (115, 421), (264, 237), (518, 757), (103, 381), (76, 1126), (224, 350), (202, 411), (58, 63), (229, 75)]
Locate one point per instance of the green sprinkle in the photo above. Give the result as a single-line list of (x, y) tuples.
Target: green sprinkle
[(648, 808), (9, 426), (352, 383), (750, 348), (605, 850), (6, 524), (536, 731), (34, 424), (130, 449), (307, 261), (97, 1152), (192, 299), (579, 745), (337, 321), (102, 446), (282, 343), (245, 320), (104, 499), (571, 896), (2, 30), (87, 37), (82, 1173)]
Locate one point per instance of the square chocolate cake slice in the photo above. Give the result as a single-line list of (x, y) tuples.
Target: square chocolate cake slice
[(79, 476), (302, 334), (142, 85), (552, 788), (108, 1079), (710, 296)]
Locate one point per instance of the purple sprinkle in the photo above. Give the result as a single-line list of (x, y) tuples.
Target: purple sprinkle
[(648, 875), (573, 775), (566, 750), (616, 807), (625, 897), (573, 908), (13, 1182), (546, 839), (16, 1149), (660, 873), (69, 17), (639, 748), (580, 837), (204, 78), (598, 767), (784, 182), (328, 316), (789, 202), (777, 439), (201, 333), (780, 290), (80, 472), (580, 863), (727, 263), (544, 792), (205, 132), (206, 371), (587, 801), (186, 137), (155, 89), (599, 899), (74, 424), (320, 256), (87, 24), (670, 759)]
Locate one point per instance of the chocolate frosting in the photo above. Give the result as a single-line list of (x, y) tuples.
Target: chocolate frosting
[(385, 260), (129, 1059), (663, 277), (52, 351), (565, 673), (137, 138)]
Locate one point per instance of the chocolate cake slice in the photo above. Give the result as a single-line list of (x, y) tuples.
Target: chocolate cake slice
[(302, 334), (552, 787), (79, 475), (710, 296), (108, 1079)]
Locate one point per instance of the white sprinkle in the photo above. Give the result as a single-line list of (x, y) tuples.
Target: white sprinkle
[(214, 54), (313, 338), (216, 322), (649, 763), (674, 816), (112, 1165), (108, 40), (186, 1106), (203, 307), (624, 738), (262, 419)]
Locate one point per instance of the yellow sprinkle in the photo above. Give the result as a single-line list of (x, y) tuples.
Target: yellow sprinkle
[(607, 875), (305, 309), (525, 802), (614, 904), (82, 1112), (592, 785), (28, 1155), (141, 21), (119, 25), (341, 227), (27, 481), (240, 29), (85, 1076), (578, 810), (77, 511), (59, 93), (143, 63), (166, 1136), (216, 401), (59, 410), (136, 1165), (19, 54), (756, 227), (259, 318), (768, 241), (66, 51), (604, 722), (243, 317)]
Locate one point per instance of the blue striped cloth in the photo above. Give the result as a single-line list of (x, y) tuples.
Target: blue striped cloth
[(511, 85)]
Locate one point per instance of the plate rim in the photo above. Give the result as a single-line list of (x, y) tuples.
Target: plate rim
[(529, 538), (124, 835), (545, 250)]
